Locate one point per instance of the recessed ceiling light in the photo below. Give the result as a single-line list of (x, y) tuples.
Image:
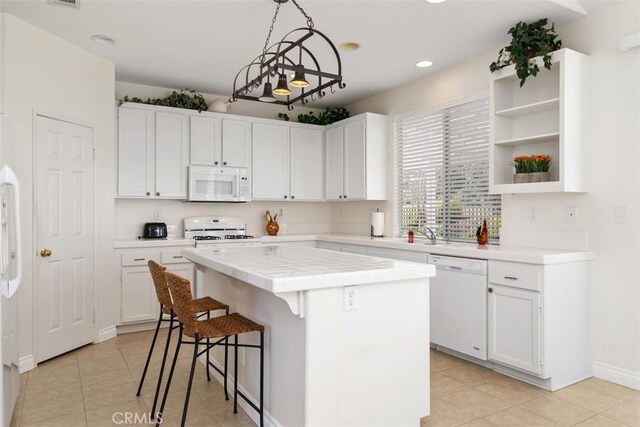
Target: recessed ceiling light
[(436, 1), (424, 64), (102, 39), (349, 46)]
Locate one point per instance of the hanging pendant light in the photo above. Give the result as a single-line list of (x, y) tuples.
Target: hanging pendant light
[(267, 93), (299, 79), (282, 88)]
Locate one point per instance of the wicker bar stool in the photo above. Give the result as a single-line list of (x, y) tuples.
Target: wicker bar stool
[(219, 329), (202, 306)]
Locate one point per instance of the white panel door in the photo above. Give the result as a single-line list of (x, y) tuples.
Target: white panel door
[(514, 327), (334, 163), (205, 141), (171, 155), (139, 301), (236, 143), (64, 201), (135, 152), (270, 164), (307, 163), (354, 160)]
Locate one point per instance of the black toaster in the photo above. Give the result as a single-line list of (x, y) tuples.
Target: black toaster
[(155, 230)]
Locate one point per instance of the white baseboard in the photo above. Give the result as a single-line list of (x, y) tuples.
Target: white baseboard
[(617, 375), (107, 333), (26, 363)]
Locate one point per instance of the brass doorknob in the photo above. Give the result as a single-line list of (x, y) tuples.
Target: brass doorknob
[(45, 253)]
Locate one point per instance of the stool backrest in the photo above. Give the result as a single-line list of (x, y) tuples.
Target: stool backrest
[(180, 289), (160, 283)]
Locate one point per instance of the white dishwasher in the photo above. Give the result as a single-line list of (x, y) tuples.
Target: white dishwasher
[(458, 305)]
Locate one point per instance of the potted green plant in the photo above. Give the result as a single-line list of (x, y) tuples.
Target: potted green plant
[(186, 98), (534, 168), (326, 117), (528, 40)]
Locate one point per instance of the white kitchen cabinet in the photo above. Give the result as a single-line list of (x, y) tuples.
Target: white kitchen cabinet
[(219, 142), (514, 327), (152, 153), (287, 162), (356, 158)]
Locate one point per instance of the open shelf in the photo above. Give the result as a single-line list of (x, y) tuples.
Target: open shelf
[(532, 108), (529, 187), (536, 139)]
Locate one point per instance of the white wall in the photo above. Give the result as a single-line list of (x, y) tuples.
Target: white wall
[(614, 132), (44, 72)]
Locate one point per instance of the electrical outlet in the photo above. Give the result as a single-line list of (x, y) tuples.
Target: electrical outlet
[(350, 298), (572, 214), (533, 214), (281, 213), (622, 214), (156, 213)]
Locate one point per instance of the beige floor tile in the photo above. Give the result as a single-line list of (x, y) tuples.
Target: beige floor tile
[(442, 385), (635, 400), (66, 359), (586, 398), (440, 361), (610, 389), (445, 414), (103, 350), (476, 402), (517, 417), (112, 395), (600, 421), (105, 379), (89, 366), (50, 376), (121, 413), (510, 390), (476, 423), (52, 407), (471, 374), (40, 391), (626, 413), (77, 419), (228, 418), (557, 410)]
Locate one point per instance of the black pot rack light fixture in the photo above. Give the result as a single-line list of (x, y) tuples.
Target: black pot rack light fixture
[(289, 55)]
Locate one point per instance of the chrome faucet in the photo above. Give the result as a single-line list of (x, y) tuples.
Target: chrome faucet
[(431, 235)]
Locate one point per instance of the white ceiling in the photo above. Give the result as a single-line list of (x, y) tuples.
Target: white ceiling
[(202, 44)]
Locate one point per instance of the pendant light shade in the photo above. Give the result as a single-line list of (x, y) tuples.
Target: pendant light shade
[(267, 93), (299, 79), (283, 87)]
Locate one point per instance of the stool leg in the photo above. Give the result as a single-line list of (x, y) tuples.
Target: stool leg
[(164, 360), (153, 343), (235, 375), (208, 343), (226, 362), (193, 369), (173, 368), (261, 378)]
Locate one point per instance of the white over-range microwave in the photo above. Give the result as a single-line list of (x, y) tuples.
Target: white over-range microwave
[(216, 184)]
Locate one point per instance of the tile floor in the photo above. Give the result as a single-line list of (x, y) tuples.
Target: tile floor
[(87, 386)]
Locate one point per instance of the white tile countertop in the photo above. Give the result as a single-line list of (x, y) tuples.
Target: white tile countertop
[(153, 243), (466, 250), (292, 268)]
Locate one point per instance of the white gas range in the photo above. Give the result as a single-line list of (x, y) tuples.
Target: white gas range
[(218, 231)]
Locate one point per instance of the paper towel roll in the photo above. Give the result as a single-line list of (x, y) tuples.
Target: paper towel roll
[(377, 224)]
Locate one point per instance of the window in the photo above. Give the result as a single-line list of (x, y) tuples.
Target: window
[(443, 172)]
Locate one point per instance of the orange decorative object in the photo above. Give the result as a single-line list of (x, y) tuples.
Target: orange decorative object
[(483, 238), (272, 228)]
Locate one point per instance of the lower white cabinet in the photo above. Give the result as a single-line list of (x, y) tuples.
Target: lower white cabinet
[(137, 297)]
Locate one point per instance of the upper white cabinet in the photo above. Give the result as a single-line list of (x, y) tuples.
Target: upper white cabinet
[(356, 158), (287, 162), (220, 142), (152, 153), (545, 116)]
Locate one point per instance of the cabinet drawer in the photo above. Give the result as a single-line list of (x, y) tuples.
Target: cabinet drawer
[(515, 275), (139, 258), (173, 256)]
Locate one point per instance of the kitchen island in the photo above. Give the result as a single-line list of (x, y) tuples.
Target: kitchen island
[(347, 336)]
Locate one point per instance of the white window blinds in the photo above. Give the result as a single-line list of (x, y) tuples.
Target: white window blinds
[(443, 173)]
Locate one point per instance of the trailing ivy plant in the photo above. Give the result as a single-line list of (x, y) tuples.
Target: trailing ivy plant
[(186, 98), (527, 42), (326, 117)]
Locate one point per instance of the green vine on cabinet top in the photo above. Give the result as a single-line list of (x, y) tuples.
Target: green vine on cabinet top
[(326, 117), (186, 98), (527, 42)]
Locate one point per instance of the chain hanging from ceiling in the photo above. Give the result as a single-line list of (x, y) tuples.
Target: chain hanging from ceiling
[(289, 55)]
